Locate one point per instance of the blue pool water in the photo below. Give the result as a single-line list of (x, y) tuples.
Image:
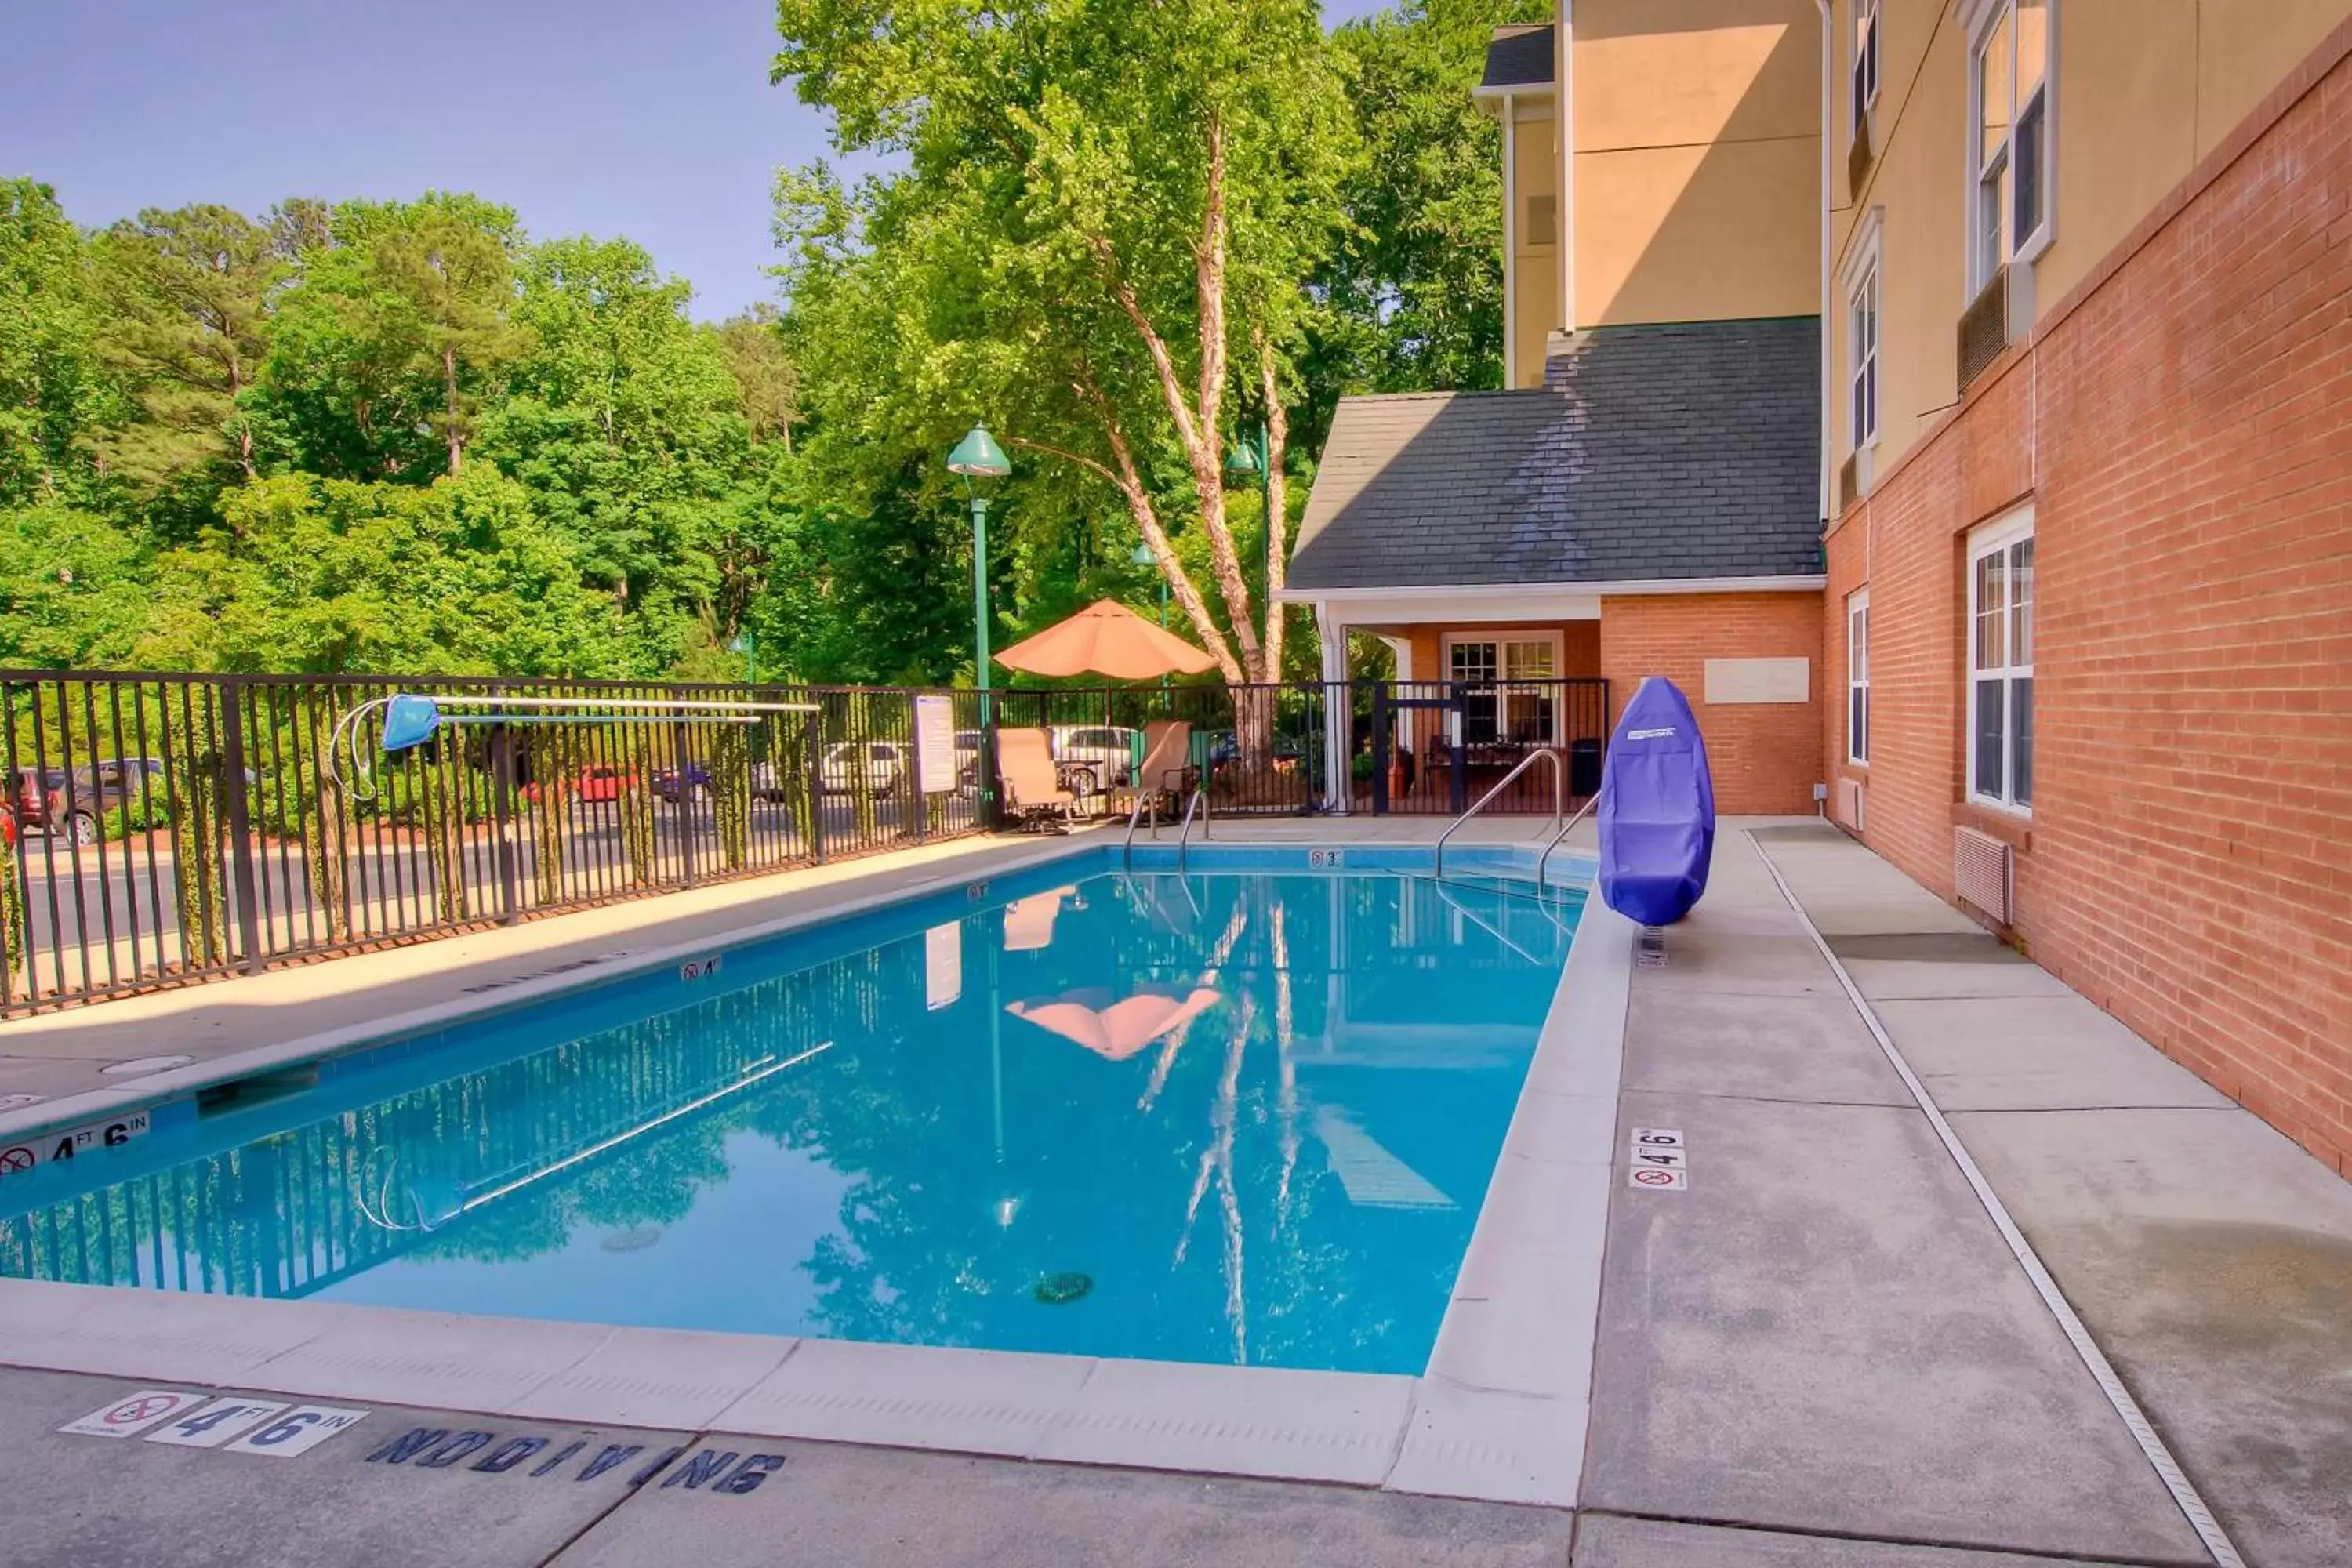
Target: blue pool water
[(1238, 1117)]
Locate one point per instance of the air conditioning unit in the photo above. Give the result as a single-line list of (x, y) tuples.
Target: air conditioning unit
[(1848, 482), (1981, 872), (1984, 328), (1849, 803), (1858, 156)]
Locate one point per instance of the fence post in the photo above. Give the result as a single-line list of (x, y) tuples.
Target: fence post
[(239, 825), (1382, 742), (684, 764), (812, 764), (502, 824)]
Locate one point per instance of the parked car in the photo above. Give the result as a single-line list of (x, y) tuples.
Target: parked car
[(696, 782), (86, 793), (1224, 749), (28, 796), (873, 766), (603, 786), (594, 786), (1097, 756)]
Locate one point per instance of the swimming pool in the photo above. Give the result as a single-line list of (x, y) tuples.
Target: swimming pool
[(1245, 1116)]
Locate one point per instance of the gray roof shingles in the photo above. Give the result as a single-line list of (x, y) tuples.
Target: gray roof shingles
[(1652, 452), (1518, 56)]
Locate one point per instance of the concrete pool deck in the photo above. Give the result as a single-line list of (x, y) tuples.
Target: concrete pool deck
[(1820, 1352)]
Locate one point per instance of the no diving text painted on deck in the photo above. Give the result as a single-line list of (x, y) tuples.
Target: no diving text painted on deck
[(235, 1423)]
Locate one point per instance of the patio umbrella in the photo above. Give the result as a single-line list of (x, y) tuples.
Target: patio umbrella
[(1106, 639), (1124, 1028)]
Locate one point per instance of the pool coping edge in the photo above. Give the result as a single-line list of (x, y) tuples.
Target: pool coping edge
[(1499, 1415)]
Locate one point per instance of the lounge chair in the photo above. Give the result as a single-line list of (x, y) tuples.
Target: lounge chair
[(1166, 771), (1034, 795)]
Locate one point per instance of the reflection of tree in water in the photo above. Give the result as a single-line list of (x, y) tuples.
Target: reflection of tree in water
[(1276, 1265)]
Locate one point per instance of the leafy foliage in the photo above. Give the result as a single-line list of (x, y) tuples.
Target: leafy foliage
[(406, 435)]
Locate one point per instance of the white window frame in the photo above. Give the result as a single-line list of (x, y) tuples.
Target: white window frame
[(1981, 18), (1998, 538), (1502, 682), (1862, 356), (1857, 677), (1863, 56), (1862, 268)]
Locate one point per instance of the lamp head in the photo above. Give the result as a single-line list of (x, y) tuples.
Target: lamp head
[(977, 457)]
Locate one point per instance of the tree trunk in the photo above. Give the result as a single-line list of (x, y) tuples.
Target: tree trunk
[(449, 386)]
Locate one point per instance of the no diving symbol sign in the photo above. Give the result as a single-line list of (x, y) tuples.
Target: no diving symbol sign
[(16, 1157), (129, 1416)]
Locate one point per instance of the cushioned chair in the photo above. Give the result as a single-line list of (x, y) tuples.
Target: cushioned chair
[(1034, 795), (1166, 774)]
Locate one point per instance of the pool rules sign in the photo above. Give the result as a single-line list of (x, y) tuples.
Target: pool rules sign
[(935, 744)]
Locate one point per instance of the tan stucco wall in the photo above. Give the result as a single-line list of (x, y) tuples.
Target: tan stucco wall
[(1697, 232), (1918, 187), (1536, 275), (1696, 159), (2144, 89)]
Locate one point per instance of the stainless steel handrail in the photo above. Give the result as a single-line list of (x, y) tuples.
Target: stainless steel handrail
[(1201, 799), (1126, 847), (1558, 799), (1582, 813)]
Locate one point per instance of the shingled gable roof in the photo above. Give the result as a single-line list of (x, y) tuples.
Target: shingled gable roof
[(1687, 450), (1518, 56)]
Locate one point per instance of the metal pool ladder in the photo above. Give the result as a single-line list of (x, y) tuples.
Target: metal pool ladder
[(1199, 800), (1559, 810)]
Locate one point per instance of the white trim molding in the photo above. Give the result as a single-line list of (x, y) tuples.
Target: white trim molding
[(1473, 602)]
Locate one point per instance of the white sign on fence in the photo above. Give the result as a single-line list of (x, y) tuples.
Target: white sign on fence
[(935, 744)]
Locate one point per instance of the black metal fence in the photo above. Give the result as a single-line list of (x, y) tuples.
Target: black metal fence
[(171, 827)]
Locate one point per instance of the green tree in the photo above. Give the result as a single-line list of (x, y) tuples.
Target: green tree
[(1078, 248), (53, 395), (187, 330), (1412, 299)]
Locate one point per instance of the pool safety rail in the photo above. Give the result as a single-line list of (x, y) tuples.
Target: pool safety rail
[(1558, 809), (161, 829)]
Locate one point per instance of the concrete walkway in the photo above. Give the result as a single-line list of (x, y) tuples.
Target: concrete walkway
[(1822, 1354)]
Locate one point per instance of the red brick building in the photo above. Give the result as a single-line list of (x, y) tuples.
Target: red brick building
[(2069, 636)]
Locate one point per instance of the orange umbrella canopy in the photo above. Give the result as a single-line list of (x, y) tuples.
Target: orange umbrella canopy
[(1109, 639), (1122, 1028)]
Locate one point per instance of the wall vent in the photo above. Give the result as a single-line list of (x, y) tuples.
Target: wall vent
[(1858, 157), (1849, 803), (1984, 328), (1543, 220), (1980, 871)]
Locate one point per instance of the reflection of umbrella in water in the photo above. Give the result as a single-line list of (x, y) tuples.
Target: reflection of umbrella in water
[(1121, 1028)]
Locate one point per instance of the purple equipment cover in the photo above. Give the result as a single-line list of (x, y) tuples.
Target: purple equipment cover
[(1657, 809)]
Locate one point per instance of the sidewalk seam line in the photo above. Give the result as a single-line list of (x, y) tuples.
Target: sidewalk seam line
[(2135, 1419)]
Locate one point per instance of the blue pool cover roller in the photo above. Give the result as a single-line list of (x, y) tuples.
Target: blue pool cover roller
[(1656, 813)]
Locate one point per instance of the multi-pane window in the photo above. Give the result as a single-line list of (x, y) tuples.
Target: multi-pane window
[(2001, 663), (1507, 689), (2010, 140), (1862, 338), (1865, 58), (1857, 677)]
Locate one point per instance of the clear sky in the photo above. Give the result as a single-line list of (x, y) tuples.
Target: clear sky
[(641, 118)]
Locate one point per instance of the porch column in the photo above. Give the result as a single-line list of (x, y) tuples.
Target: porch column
[(1339, 709)]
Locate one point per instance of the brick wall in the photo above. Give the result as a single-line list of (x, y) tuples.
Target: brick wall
[(2182, 427), (1766, 757)]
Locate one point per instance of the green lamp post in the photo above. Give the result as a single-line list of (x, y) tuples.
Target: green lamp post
[(747, 646), (977, 457), (1252, 455), (1143, 557)]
